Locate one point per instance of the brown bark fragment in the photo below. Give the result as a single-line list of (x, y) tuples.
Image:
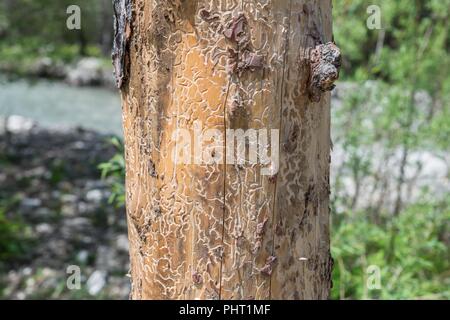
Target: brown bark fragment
[(267, 269), (122, 34), (197, 278), (325, 64)]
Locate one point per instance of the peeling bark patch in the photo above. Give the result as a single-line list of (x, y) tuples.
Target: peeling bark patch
[(197, 278), (256, 246), (218, 252), (152, 169), (260, 230), (329, 266), (250, 60), (246, 60), (233, 59), (207, 16), (273, 178), (325, 62), (268, 267), (236, 30), (243, 56), (291, 142), (122, 34)]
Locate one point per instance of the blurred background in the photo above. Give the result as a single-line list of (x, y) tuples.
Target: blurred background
[(61, 163)]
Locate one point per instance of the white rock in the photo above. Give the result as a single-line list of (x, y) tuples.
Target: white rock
[(96, 282), (122, 243), (68, 198), (83, 256), (43, 212), (88, 71), (16, 124), (31, 202), (77, 223), (44, 228), (94, 196), (21, 295), (68, 210), (27, 271)]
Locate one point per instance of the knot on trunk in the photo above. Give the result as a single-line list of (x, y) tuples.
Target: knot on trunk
[(325, 62)]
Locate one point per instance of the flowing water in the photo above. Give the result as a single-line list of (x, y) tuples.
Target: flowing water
[(56, 104)]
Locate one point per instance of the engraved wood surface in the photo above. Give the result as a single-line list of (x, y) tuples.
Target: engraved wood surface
[(226, 231)]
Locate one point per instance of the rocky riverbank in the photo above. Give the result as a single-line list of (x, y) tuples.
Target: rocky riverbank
[(50, 183), (88, 71)]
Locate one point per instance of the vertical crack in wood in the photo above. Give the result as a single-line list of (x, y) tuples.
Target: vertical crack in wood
[(274, 209)]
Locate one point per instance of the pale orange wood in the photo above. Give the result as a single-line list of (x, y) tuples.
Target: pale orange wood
[(175, 210), (249, 194), (210, 231)]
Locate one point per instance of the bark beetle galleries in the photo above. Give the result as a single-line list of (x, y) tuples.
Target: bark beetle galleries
[(217, 231), (325, 62)]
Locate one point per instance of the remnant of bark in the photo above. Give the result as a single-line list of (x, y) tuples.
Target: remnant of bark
[(325, 60), (256, 246), (268, 267), (261, 227), (232, 60), (273, 178), (122, 34), (328, 266), (152, 169), (207, 16), (218, 252), (260, 230), (244, 57), (237, 30), (250, 60), (197, 278)]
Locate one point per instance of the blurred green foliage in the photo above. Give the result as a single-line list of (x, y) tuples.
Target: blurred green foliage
[(35, 29), (14, 237), (115, 170), (419, 269), (382, 124), (9, 244)]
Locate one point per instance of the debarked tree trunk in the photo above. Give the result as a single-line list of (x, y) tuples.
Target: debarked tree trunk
[(206, 220)]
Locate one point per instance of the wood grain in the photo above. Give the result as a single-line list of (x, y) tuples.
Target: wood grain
[(225, 230)]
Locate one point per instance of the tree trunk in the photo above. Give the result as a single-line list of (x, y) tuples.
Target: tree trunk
[(227, 230)]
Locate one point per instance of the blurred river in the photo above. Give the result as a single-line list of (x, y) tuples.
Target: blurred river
[(56, 104)]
